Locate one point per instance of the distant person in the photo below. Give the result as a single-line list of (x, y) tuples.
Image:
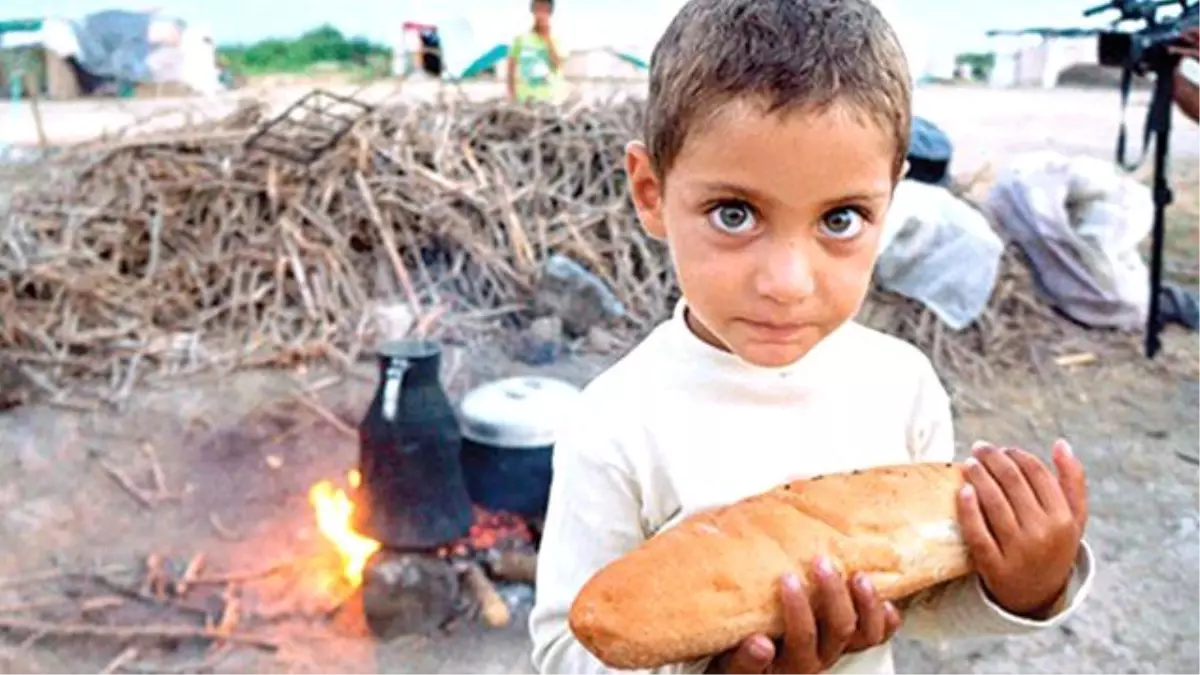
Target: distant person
[(1187, 79), (534, 63)]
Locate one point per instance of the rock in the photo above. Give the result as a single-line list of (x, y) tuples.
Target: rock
[(567, 290), (15, 389), (408, 593), (603, 341), (541, 343)]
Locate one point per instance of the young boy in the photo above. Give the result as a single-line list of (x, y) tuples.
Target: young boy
[(775, 133), (534, 64)]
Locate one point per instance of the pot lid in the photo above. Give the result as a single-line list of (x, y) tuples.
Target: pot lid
[(517, 412)]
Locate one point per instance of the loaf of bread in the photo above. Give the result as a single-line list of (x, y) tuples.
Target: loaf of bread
[(702, 587)]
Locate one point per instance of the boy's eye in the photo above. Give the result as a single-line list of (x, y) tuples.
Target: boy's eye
[(732, 218), (843, 223)]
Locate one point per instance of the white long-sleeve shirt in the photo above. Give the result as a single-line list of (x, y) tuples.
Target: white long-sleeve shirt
[(677, 427)]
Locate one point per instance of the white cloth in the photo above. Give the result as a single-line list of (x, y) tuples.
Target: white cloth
[(677, 426)]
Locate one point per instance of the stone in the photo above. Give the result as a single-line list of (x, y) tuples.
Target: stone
[(541, 343), (569, 291), (15, 388), (408, 593)]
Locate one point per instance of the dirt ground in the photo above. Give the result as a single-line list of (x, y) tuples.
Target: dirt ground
[(237, 454)]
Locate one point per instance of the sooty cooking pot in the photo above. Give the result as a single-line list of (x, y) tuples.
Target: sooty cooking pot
[(508, 429)]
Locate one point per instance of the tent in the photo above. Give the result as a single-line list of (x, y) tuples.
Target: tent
[(120, 49), (495, 56), (492, 58)]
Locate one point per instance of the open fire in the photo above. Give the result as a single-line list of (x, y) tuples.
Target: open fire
[(334, 511), (413, 591)]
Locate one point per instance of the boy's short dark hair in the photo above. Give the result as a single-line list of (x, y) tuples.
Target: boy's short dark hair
[(548, 3), (790, 54)]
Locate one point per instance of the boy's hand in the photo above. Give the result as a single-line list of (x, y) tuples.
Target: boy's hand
[(842, 618), (1023, 526)]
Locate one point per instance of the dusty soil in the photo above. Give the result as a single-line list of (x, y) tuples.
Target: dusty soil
[(238, 453)]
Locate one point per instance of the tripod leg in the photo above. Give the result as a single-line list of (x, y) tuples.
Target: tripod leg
[(1159, 121)]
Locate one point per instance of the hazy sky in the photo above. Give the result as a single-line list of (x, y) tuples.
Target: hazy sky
[(955, 21)]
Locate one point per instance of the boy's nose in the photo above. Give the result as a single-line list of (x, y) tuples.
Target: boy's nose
[(785, 274)]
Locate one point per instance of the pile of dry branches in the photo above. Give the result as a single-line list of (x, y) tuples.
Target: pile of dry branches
[(161, 256)]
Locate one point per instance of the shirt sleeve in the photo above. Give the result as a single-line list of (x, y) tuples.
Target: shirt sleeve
[(594, 517), (962, 608)]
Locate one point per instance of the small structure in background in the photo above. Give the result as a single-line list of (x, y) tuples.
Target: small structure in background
[(419, 51), (603, 63), (114, 52), (31, 56), (1028, 59)]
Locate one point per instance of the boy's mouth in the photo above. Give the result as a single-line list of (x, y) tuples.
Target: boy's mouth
[(774, 331)]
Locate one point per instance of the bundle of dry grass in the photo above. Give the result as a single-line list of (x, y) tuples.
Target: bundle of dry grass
[(163, 256)]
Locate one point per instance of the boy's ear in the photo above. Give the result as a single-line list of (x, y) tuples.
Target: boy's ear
[(645, 188)]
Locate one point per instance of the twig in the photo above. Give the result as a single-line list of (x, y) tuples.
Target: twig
[(221, 529), (154, 584), (492, 607), (40, 603), (147, 596), (46, 628), (194, 567), (1190, 459), (35, 108), (231, 616), (244, 576), (325, 414), (156, 471), (214, 656), (126, 484), (127, 655), (59, 575)]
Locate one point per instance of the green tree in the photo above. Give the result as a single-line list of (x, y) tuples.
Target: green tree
[(324, 45)]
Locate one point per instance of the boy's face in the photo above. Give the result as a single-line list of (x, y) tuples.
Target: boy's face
[(541, 14), (773, 222)]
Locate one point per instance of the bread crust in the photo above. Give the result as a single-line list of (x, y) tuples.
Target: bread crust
[(701, 587)]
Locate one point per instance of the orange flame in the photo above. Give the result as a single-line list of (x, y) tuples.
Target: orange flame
[(333, 509)]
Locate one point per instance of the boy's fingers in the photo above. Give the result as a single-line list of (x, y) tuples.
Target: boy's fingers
[(891, 621), (984, 551), (1073, 479), (1045, 486), (997, 513), (1011, 479), (799, 627), (872, 621), (835, 608), (752, 657)]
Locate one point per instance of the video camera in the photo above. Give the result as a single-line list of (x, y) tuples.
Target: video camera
[(1141, 49), (1141, 52)]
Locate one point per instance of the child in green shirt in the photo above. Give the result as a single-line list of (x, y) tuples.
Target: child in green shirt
[(534, 64)]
